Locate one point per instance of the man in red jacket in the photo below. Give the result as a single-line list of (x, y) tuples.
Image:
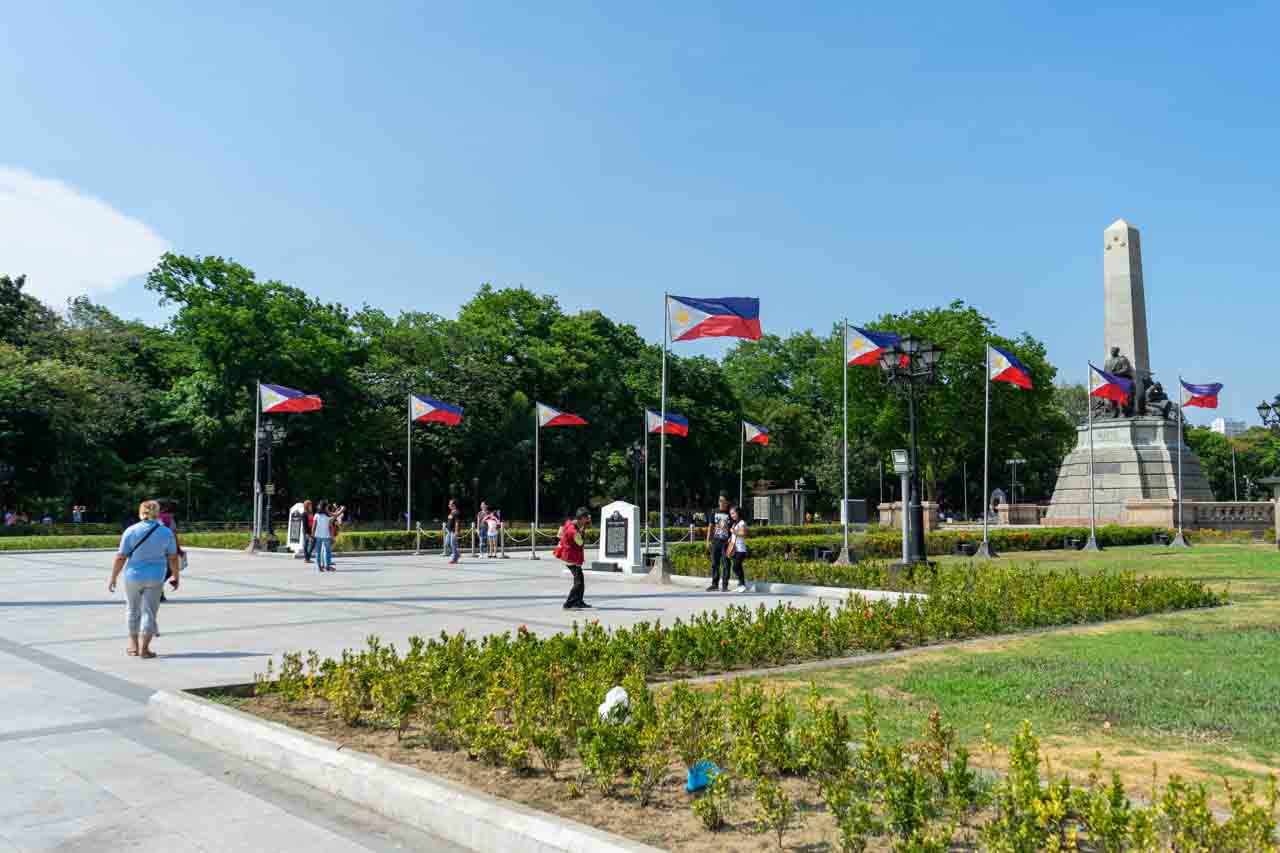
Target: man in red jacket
[(571, 551)]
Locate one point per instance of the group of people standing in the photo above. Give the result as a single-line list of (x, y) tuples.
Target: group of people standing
[(320, 525), (727, 544)]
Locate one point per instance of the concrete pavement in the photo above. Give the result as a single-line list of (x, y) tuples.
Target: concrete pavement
[(80, 769)]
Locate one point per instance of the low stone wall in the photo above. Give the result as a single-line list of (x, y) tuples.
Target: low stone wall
[(1253, 516), (891, 515), (1018, 513)]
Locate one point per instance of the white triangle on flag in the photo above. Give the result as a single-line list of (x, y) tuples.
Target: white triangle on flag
[(999, 364), (271, 398), (682, 317), (420, 408)]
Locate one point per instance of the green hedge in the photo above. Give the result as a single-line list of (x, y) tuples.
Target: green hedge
[(888, 544), (229, 541), (97, 528)]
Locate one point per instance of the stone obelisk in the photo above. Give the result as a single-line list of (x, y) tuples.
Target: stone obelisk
[(1124, 298), (1135, 457)]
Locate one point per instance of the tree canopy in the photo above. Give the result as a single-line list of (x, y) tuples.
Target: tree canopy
[(102, 411)]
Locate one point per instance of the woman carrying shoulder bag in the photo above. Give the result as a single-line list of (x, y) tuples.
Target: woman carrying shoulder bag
[(147, 550)]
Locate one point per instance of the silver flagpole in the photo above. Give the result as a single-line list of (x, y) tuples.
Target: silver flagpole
[(742, 461), (537, 438), (257, 487), (646, 482), (1180, 541), (984, 550), (844, 559), (660, 564), (1092, 544), (408, 467)]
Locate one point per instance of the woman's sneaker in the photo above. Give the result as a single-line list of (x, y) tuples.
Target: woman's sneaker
[(742, 587)]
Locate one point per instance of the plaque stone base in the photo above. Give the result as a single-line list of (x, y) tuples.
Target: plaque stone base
[(1133, 459), (620, 539)]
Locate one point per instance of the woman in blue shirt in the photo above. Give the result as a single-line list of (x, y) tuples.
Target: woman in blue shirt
[(146, 550)]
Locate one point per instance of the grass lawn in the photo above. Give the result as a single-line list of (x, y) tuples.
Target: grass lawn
[(1197, 692)]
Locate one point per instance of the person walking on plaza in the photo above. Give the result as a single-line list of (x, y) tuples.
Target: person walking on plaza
[(572, 552), (717, 541), (737, 548), (453, 527), (324, 529), (308, 541), (146, 550)]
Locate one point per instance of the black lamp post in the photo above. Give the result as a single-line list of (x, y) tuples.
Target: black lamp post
[(6, 474), (1270, 413), (635, 454), (270, 434), (910, 366)]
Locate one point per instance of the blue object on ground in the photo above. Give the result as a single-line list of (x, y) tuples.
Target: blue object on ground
[(701, 774)]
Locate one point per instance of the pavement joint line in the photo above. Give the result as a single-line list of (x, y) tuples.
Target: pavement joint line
[(334, 814), (92, 677), (404, 614), (104, 724)]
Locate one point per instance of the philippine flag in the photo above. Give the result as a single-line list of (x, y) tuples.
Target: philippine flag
[(865, 346), (549, 417), (755, 433), (729, 317), (1109, 387), (1005, 367), (277, 398), (1204, 396), (676, 424), (428, 410)]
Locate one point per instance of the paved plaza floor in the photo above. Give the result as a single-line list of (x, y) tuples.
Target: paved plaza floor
[(80, 767)]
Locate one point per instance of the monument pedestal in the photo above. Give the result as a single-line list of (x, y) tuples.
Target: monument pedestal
[(619, 549), (1134, 459)]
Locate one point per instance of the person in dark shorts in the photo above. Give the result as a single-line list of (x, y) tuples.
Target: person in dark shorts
[(572, 552), (454, 527), (718, 530)]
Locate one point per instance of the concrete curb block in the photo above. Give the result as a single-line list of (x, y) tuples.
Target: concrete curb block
[(766, 587), (443, 808)]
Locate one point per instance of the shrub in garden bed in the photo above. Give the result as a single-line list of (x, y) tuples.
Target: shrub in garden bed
[(785, 769)]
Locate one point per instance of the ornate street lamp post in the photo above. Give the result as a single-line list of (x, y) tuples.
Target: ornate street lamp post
[(270, 435), (1270, 415), (910, 367), (6, 474)]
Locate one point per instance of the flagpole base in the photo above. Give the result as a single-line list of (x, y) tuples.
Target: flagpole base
[(985, 551), (660, 572), (1180, 541), (844, 558), (1092, 544)]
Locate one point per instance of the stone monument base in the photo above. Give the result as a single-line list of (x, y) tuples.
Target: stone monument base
[(891, 514), (1133, 459)]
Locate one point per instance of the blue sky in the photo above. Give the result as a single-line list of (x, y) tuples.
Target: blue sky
[(825, 159)]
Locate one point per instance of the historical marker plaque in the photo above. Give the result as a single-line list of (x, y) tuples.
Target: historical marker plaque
[(615, 536)]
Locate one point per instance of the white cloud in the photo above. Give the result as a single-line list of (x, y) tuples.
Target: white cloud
[(68, 243)]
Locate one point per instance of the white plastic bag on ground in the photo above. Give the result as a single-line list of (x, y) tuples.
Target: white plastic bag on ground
[(615, 698)]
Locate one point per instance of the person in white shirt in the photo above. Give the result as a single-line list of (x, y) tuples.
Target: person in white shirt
[(324, 529), (737, 548)]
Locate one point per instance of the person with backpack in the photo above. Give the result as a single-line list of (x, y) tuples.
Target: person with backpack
[(146, 550), (571, 550)]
